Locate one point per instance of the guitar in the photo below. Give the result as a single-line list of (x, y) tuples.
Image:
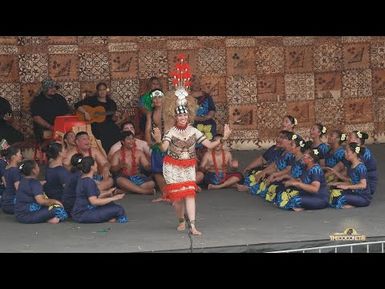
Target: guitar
[(98, 114)]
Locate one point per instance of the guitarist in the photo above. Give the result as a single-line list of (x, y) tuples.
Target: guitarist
[(7, 131), (107, 131)]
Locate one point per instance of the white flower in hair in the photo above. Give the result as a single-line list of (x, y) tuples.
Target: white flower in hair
[(301, 143), (359, 134), (357, 150), (21, 166), (181, 94), (294, 137), (323, 129), (79, 161), (316, 152), (343, 137)]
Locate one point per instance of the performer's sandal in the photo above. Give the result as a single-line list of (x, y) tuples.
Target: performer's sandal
[(193, 230), (182, 224)]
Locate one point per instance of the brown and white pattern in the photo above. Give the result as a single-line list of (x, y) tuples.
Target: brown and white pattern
[(348, 39), (328, 85), (269, 59), (11, 92), (9, 49), (64, 67), (125, 93), (71, 91), (241, 89), (124, 65), (299, 86), (299, 59), (356, 56), (303, 111), (358, 110), (93, 66), (122, 47), (31, 40), (9, 68), (377, 55), (221, 116), (356, 83), (33, 67), (62, 40), (271, 88), (330, 112), (269, 116), (215, 86), (95, 40), (378, 83), (242, 116), (153, 63), (240, 61), (240, 42), (328, 57), (212, 61), (182, 44), (62, 49), (298, 40)]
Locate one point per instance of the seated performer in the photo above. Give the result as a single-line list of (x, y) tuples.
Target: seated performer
[(126, 161), (215, 164), (91, 206), (83, 146), (32, 205), (310, 191), (354, 190), (140, 144)]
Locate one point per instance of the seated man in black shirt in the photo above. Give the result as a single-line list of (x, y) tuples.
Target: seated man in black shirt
[(7, 131), (45, 107)]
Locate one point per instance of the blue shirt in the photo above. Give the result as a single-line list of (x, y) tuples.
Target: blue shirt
[(28, 189), (56, 178), (85, 188), (315, 174), (69, 192), (284, 160), (356, 174), (272, 154), (333, 158), (11, 175)]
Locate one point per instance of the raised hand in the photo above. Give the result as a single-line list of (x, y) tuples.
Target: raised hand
[(156, 135), (226, 131)]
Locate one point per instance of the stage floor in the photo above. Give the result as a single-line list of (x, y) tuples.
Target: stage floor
[(225, 217)]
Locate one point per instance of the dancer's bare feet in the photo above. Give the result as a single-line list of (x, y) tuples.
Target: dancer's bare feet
[(212, 187), (298, 209), (160, 199), (54, 220), (112, 220), (347, 207), (242, 188), (118, 191), (181, 226), (194, 231)]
